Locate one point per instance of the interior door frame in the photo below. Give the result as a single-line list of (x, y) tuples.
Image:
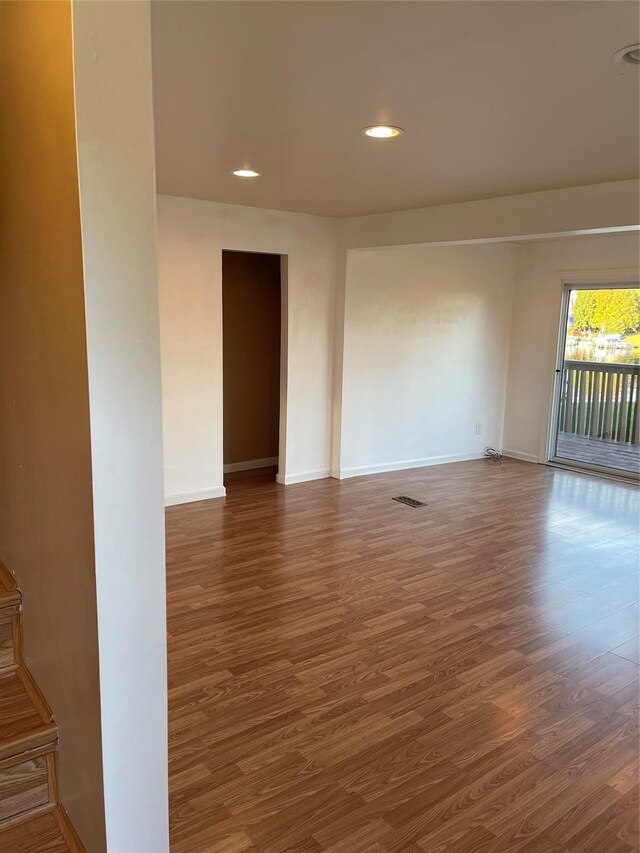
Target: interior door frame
[(284, 368), (584, 280)]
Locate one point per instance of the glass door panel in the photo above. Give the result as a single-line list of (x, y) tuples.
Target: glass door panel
[(597, 396)]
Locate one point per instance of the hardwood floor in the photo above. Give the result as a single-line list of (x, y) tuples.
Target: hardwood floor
[(352, 675)]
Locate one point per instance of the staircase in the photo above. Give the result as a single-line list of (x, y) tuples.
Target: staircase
[(31, 817)]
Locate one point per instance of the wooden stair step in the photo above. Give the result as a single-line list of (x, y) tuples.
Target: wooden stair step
[(26, 721), (42, 833), (31, 817), (28, 783), (10, 595), (10, 619), (10, 636)]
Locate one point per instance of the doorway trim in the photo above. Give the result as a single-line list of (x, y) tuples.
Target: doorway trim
[(577, 280), (284, 368)]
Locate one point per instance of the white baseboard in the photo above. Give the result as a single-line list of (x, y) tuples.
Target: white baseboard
[(191, 497), (517, 454), (345, 473), (305, 477), (232, 467)]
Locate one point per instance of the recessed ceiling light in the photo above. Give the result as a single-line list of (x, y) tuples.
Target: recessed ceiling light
[(246, 173), (382, 131), (630, 55)]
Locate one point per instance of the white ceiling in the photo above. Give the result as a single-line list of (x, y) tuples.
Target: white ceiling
[(496, 98)]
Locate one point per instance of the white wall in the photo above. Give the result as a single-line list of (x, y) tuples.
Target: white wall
[(535, 322), (191, 237), (425, 354), (112, 69)]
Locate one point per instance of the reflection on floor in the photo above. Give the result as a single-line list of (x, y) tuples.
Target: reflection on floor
[(349, 674), (599, 451), (262, 474)]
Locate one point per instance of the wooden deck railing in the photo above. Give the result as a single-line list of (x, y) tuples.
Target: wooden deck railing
[(600, 400)]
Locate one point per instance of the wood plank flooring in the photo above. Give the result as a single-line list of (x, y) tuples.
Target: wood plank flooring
[(352, 675)]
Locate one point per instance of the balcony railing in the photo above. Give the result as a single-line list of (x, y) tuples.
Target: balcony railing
[(600, 400)]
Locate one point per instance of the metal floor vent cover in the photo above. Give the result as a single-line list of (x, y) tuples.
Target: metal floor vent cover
[(403, 499)]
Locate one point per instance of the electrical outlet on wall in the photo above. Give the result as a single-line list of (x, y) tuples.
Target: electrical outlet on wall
[(478, 428)]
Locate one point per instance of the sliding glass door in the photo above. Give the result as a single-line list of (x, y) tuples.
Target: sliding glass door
[(595, 418)]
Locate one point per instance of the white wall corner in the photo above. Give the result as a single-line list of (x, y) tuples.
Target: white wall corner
[(116, 165), (338, 363)]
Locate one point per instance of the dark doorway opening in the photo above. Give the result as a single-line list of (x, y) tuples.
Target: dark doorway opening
[(251, 331)]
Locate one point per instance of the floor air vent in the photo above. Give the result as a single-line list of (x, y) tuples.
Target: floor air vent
[(403, 499)]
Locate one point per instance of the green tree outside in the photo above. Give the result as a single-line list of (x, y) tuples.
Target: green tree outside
[(584, 310), (609, 312)]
